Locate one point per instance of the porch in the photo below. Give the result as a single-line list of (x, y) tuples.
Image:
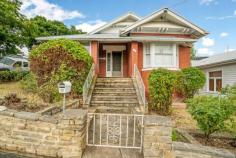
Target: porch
[(116, 59)]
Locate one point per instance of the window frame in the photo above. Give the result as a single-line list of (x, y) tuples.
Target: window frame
[(215, 83), (152, 53)]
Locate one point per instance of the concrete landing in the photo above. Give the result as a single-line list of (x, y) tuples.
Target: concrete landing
[(102, 152)]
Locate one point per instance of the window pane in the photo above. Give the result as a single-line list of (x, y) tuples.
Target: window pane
[(211, 84), (108, 61), (164, 49), (215, 74), (218, 84), (163, 60), (147, 59), (25, 64)]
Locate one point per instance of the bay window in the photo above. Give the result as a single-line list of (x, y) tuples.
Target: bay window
[(160, 55)]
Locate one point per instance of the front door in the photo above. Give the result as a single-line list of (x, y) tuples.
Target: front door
[(114, 64)]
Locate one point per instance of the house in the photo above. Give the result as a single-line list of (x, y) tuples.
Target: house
[(162, 39), (220, 71)]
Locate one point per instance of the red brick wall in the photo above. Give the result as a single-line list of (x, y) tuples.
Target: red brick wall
[(133, 57), (125, 63), (184, 57), (102, 63), (94, 54)]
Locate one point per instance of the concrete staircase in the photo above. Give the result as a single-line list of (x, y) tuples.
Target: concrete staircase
[(114, 93)]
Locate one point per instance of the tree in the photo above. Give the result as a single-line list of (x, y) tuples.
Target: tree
[(11, 27), (40, 26)]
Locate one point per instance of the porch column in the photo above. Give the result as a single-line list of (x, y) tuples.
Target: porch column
[(94, 54), (133, 57)]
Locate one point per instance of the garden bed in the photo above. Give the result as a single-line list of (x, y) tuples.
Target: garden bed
[(219, 140)]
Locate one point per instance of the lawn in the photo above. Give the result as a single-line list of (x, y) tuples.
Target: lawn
[(14, 87), (181, 118)]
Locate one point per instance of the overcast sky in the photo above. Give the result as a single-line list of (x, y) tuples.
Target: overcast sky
[(216, 16)]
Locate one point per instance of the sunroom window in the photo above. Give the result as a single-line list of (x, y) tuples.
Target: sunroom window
[(160, 55)]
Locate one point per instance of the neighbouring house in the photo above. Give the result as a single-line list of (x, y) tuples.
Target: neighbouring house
[(162, 39), (220, 71)]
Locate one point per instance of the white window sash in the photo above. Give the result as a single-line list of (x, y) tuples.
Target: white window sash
[(152, 57)]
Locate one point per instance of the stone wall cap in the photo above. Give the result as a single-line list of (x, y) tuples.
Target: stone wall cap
[(203, 149), (27, 115), (74, 114), (8, 112), (49, 119), (157, 120)]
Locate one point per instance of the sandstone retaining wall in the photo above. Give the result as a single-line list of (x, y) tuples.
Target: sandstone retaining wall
[(43, 135)]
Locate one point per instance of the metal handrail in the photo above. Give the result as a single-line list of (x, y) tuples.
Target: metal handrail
[(87, 83), (140, 85)]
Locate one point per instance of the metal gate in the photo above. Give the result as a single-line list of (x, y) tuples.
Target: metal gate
[(115, 130)]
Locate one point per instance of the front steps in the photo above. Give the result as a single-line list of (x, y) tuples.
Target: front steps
[(114, 92)]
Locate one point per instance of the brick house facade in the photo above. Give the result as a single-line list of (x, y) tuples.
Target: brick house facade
[(162, 39)]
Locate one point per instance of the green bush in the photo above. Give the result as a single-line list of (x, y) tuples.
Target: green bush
[(58, 60), (189, 81), (211, 113), (161, 86), (29, 83), (9, 76), (49, 92)]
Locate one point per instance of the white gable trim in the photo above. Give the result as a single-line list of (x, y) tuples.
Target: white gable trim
[(114, 21), (155, 14)]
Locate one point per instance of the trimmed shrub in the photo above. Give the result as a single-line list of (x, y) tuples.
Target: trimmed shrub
[(29, 83), (190, 80), (161, 86), (59, 60), (9, 76), (211, 113)]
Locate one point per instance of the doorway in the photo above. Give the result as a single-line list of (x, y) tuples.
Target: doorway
[(114, 64)]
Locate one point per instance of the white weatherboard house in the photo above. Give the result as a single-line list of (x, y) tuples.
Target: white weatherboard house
[(220, 71)]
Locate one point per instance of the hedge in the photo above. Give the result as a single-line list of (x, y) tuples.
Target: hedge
[(8, 76)]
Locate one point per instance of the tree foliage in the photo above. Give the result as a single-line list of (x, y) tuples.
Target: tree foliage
[(211, 113), (11, 27), (59, 60), (40, 26), (161, 86), (190, 80), (18, 31)]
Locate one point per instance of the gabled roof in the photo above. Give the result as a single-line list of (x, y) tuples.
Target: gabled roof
[(158, 14), (121, 18), (217, 60)]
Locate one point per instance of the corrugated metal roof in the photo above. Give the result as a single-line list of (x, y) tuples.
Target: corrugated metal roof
[(219, 59), (116, 37)]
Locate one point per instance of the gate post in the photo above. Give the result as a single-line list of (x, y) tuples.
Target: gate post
[(73, 133), (157, 137)]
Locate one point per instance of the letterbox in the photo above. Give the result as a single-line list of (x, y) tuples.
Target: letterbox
[(64, 87)]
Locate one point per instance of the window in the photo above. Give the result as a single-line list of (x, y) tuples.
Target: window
[(215, 81), (147, 57), (160, 55), (164, 55)]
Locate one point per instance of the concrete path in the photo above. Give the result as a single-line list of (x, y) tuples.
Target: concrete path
[(102, 152)]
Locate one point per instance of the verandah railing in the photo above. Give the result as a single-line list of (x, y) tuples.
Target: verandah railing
[(87, 83), (140, 85)]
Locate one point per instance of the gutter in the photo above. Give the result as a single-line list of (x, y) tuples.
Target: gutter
[(233, 61)]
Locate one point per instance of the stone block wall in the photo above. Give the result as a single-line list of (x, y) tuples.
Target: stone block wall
[(157, 141), (185, 150), (38, 135)]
